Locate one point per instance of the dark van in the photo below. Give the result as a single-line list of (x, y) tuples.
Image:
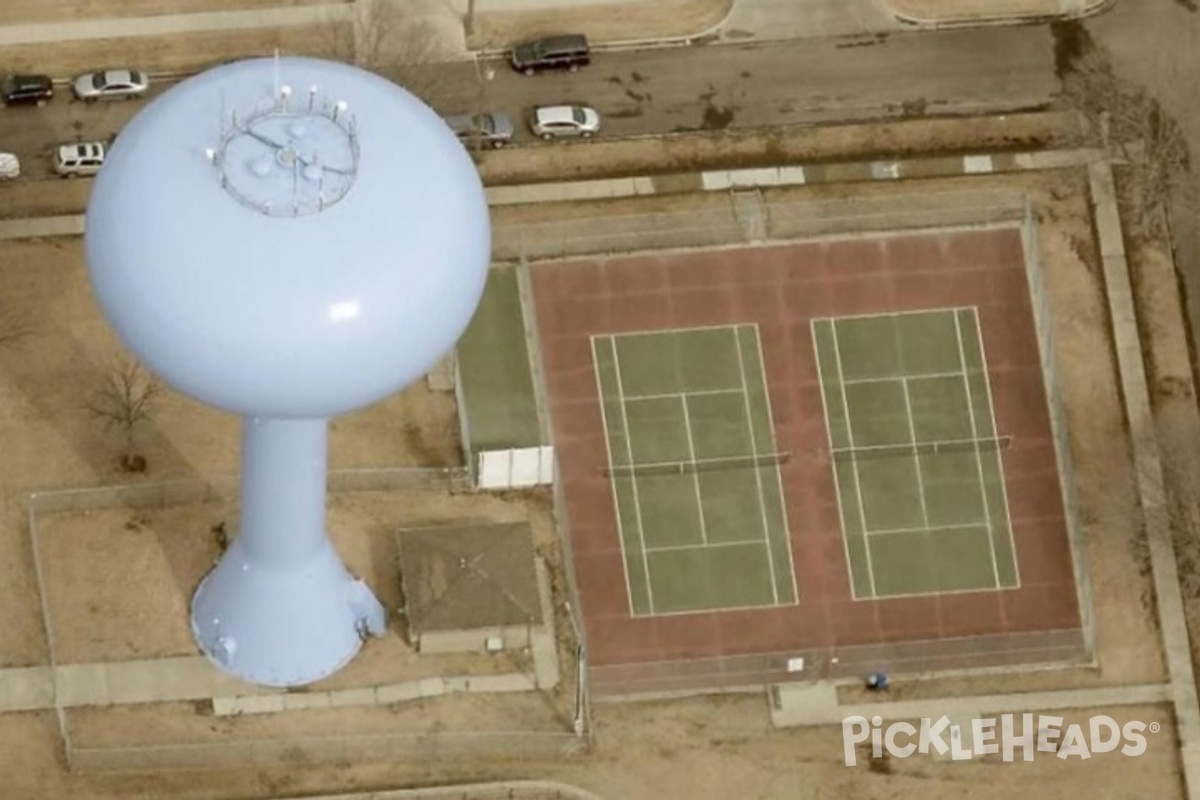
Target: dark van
[(569, 51)]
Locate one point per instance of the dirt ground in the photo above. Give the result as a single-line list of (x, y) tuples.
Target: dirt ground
[(699, 748), (119, 581), (20, 12), (602, 22), (711, 747), (180, 52), (703, 748)]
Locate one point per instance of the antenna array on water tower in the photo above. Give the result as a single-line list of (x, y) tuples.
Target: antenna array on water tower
[(288, 162)]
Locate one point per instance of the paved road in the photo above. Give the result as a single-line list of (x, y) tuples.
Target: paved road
[(664, 90)]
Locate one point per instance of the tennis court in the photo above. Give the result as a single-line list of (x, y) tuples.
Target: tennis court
[(694, 469), (915, 452), (714, 535)]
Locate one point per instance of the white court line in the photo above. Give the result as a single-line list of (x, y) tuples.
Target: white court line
[(912, 377), (837, 482), (787, 530), (711, 609), (637, 503), (762, 498), (909, 313), (672, 548), (943, 593), (687, 427), (987, 513), (676, 395), (857, 480), (678, 465), (926, 529), (672, 331), (912, 435), (613, 483), (987, 391), (999, 440)]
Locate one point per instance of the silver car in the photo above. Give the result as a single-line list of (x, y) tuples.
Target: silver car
[(111, 84), (552, 122), (79, 159), (492, 129)]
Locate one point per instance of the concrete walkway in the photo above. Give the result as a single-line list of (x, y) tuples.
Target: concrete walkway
[(948, 13), (166, 24), (164, 680), (506, 790), (817, 703)]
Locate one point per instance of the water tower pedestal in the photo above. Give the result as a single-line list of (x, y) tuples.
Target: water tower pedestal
[(282, 551)]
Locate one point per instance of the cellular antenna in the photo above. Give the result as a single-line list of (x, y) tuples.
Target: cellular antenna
[(306, 272)]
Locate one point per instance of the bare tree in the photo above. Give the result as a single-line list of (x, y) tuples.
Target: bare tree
[(1135, 128), (123, 399), (391, 38)]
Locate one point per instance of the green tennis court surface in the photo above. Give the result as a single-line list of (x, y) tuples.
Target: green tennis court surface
[(916, 454), (694, 470)]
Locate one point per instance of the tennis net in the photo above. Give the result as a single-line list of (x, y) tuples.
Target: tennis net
[(983, 445), (698, 465)]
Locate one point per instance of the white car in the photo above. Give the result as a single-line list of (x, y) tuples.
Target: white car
[(552, 122), (111, 84), (10, 166), (81, 158)]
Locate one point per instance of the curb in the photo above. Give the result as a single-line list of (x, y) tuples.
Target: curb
[(949, 23), (705, 36)]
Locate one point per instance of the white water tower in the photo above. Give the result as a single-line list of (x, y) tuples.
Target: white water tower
[(287, 239)]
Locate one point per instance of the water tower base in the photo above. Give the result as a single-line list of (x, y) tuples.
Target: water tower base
[(287, 627)]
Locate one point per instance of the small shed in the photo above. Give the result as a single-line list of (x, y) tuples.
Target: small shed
[(470, 588)]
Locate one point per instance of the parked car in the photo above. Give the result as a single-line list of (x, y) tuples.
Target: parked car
[(553, 122), (10, 167), (491, 129), (32, 90), (111, 84), (568, 51), (79, 158)]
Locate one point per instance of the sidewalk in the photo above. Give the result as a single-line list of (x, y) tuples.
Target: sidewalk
[(749, 20), (817, 704), (167, 680), (949, 13), (118, 27)]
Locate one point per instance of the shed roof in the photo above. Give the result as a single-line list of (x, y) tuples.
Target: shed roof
[(468, 577)]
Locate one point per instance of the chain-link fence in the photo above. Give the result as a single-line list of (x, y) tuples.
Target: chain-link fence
[(500, 790), (1044, 323), (499, 745), (740, 217), (487, 746)]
